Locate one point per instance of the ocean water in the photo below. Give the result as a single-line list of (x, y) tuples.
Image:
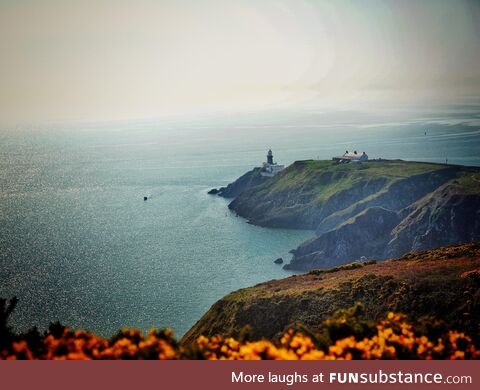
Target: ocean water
[(78, 243)]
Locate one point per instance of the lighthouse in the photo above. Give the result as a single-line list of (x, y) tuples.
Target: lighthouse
[(270, 157), (269, 168)]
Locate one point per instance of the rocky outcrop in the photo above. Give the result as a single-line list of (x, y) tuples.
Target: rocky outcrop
[(447, 216), (248, 180), (365, 235), (394, 196)]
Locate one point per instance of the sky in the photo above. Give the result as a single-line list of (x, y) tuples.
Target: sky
[(123, 59)]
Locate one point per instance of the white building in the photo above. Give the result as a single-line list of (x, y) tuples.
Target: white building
[(270, 168), (351, 157)]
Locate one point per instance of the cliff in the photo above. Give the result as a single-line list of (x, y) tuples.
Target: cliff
[(442, 283), (248, 180), (375, 209)]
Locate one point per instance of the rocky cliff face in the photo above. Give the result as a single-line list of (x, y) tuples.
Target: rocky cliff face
[(377, 209), (447, 216), (442, 283), (248, 180), (365, 235)]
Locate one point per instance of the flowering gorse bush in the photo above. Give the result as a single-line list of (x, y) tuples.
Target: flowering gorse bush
[(395, 338), (80, 345), (341, 338)]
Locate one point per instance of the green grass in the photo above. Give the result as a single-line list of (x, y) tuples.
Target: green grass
[(450, 252), (336, 269), (469, 183), (324, 179), (344, 267)]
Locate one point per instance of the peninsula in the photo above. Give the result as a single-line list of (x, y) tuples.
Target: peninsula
[(371, 209)]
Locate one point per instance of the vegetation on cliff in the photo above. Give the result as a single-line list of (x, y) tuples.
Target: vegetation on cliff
[(377, 209), (437, 284)]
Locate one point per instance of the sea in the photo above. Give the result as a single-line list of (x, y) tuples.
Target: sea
[(79, 245)]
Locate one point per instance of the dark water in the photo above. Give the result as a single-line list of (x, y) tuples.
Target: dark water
[(79, 244)]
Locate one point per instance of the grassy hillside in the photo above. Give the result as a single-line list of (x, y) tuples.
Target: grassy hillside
[(376, 209), (442, 283), (324, 179), (309, 191)]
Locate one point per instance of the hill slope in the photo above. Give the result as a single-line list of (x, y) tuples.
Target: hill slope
[(443, 283), (376, 209)]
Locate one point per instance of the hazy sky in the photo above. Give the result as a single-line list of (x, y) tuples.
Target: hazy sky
[(115, 59)]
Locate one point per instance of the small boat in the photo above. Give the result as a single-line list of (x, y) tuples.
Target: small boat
[(145, 198)]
